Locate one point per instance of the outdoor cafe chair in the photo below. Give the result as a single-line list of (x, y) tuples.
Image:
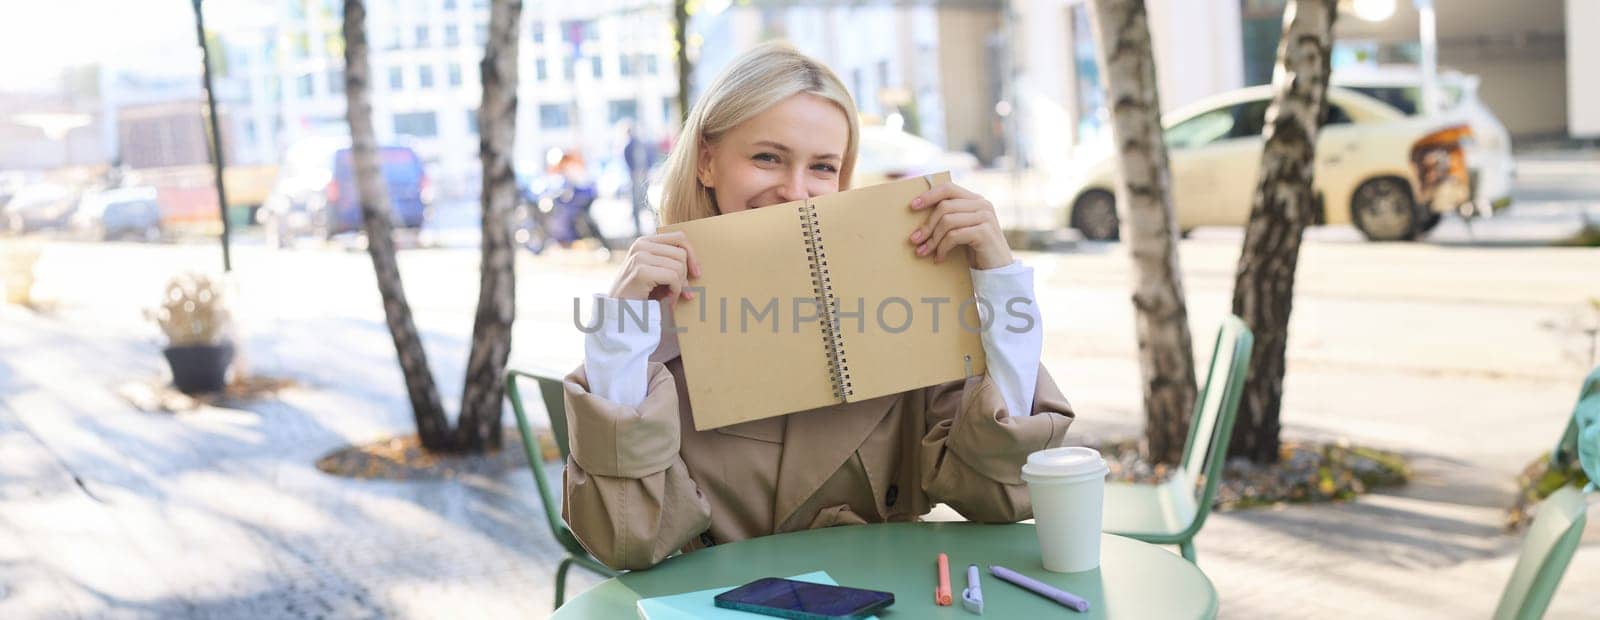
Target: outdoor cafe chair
[(550, 389), (1172, 512), (1558, 524), (1585, 420), (1546, 551)]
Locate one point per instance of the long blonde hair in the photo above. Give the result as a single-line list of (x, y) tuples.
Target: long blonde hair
[(757, 80)]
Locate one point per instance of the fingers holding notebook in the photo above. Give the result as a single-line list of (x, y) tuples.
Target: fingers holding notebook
[(658, 267), (959, 217)]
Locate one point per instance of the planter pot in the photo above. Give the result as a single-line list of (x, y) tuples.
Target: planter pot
[(16, 270), (199, 369)]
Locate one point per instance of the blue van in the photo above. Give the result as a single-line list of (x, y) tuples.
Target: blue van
[(316, 191), (402, 172)]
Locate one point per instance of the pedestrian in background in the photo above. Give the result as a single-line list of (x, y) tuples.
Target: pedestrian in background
[(638, 157)]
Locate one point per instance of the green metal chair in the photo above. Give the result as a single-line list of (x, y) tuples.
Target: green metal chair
[(1546, 551), (1171, 513), (1580, 443), (550, 388)]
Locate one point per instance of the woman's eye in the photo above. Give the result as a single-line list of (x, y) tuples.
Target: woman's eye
[(766, 157), (825, 168)]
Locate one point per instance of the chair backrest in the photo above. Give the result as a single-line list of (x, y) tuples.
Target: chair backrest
[(1546, 551), (550, 390), (1211, 426)]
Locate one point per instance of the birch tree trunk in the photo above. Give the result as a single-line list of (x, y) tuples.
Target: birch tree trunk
[(1166, 357), (1263, 290), (680, 36), (478, 429), (432, 428)]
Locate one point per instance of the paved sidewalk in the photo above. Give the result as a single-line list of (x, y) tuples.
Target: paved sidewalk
[(106, 511)]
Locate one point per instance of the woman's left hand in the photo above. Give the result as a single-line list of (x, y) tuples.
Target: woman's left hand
[(957, 217)]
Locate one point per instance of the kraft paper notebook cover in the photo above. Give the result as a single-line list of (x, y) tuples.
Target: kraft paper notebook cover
[(753, 342)]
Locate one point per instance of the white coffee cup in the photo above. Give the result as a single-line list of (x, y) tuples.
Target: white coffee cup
[(1067, 487)]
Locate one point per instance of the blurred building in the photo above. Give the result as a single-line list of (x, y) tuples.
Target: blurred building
[(586, 69), (935, 65)]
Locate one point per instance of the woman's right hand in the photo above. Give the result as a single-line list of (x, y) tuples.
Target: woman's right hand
[(658, 267)]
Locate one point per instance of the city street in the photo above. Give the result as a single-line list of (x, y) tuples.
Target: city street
[(1466, 357)]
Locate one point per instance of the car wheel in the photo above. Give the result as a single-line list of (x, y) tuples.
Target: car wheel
[(1384, 211), (1094, 214), (1429, 221)]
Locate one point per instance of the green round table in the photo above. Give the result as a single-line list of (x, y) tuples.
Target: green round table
[(1135, 579)]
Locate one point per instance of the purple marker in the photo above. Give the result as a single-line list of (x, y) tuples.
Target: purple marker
[(1041, 588)]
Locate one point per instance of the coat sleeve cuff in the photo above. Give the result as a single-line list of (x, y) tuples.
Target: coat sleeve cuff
[(996, 444), (611, 439)]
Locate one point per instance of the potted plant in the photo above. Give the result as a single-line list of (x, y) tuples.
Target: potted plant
[(195, 319)]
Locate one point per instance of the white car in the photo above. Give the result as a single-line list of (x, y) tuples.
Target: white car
[(1389, 175), (1488, 153), (887, 154)]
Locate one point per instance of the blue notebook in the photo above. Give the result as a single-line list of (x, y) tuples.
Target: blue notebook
[(700, 604)]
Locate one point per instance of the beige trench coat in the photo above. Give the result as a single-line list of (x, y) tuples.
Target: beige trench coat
[(642, 483)]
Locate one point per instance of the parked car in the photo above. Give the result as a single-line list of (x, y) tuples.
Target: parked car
[(315, 193), (887, 154), (1489, 151), (1389, 175), (42, 206), (123, 213)]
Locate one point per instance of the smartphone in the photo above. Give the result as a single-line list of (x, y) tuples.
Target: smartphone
[(787, 598)]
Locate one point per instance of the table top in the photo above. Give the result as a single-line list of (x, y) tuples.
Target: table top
[(1135, 579)]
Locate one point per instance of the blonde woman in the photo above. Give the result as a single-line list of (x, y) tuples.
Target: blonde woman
[(778, 126)]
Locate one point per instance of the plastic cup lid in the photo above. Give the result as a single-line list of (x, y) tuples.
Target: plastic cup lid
[(1061, 463)]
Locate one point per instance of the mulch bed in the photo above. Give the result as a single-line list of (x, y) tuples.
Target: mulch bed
[(1536, 482), (403, 458), (1307, 472), (159, 396)]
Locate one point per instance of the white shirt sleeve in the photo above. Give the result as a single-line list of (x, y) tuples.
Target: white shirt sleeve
[(616, 355), (1013, 336)]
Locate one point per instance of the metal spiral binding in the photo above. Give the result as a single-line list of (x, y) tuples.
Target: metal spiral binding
[(822, 285)]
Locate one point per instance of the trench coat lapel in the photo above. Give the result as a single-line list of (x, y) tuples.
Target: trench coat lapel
[(816, 443)]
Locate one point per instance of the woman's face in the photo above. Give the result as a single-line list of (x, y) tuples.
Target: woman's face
[(791, 151)]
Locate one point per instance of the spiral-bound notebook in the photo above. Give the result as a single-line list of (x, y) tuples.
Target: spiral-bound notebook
[(759, 340)]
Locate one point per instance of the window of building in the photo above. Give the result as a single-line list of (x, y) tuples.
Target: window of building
[(622, 109), (449, 5), (595, 62), (419, 124), (336, 82), (452, 35), (555, 115), (396, 78), (424, 76), (303, 85), (625, 65), (568, 72), (540, 71), (472, 122), (454, 73), (649, 64), (422, 36), (537, 31), (481, 35)]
